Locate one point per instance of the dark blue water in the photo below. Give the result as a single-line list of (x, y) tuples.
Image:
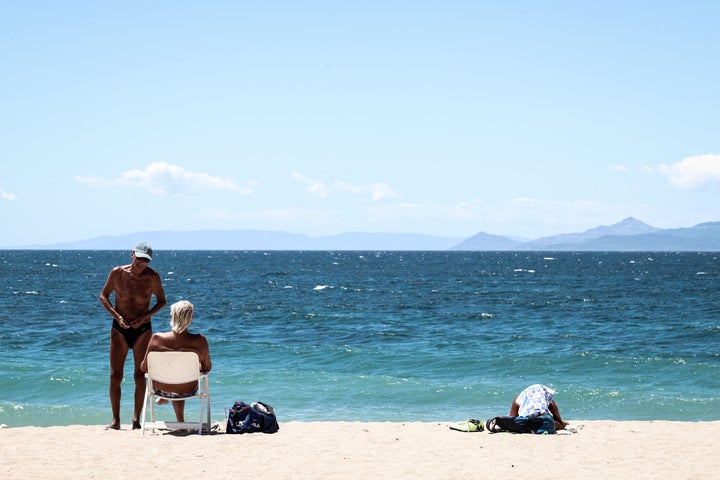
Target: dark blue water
[(381, 335)]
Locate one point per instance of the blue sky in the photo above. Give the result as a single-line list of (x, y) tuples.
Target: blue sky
[(440, 117)]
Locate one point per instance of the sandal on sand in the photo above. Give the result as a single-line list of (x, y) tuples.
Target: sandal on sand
[(492, 426), (470, 425)]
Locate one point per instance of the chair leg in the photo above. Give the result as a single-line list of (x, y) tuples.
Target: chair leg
[(200, 427), (207, 412), (206, 398), (144, 410)]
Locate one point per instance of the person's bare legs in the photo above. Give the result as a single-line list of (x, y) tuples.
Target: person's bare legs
[(179, 407), (139, 349), (118, 354)]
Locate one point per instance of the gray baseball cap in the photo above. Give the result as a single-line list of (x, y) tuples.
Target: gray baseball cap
[(143, 250)]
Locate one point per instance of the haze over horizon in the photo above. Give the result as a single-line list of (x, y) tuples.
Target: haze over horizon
[(630, 234), (440, 118)]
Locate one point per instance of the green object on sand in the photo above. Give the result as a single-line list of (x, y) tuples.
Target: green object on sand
[(469, 425)]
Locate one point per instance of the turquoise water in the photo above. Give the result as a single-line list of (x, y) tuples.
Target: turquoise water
[(375, 336)]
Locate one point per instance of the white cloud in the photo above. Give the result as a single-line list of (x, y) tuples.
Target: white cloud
[(315, 188), (340, 186), (618, 168), (381, 191), (526, 200), (161, 178), (318, 188), (694, 172), (6, 195)]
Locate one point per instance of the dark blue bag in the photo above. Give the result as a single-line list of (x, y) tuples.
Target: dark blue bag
[(506, 423), (256, 417)]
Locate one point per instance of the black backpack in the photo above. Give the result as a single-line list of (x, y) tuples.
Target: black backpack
[(256, 417)]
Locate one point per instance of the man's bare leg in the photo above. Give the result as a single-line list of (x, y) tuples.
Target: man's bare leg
[(139, 349), (118, 353)]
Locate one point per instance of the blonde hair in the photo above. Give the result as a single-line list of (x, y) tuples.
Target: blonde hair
[(181, 314)]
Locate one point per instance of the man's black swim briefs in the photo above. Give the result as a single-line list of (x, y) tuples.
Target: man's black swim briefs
[(131, 334)]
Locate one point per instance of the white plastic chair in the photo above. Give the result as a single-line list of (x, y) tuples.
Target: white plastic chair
[(173, 368)]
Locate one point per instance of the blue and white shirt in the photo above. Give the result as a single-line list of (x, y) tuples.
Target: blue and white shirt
[(534, 400)]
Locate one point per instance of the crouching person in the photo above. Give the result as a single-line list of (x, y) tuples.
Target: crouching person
[(532, 411)]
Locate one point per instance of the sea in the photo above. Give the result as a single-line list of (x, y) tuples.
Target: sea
[(380, 335)]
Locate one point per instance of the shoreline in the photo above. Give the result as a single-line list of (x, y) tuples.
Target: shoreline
[(421, 450)]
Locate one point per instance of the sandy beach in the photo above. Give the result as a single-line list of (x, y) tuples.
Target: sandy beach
[(418, 450)]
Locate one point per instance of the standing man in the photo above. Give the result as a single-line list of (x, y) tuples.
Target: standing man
[(134, 285)]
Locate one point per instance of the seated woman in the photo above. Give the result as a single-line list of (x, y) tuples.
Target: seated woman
[(179, 339)]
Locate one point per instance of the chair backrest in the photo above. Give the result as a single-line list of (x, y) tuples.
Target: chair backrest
[(173, 367)]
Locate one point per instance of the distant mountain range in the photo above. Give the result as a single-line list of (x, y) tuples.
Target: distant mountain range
[(627, 235)]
